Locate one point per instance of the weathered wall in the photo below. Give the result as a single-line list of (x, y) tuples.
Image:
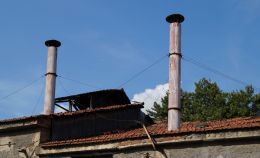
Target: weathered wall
[(221, 149), (243, 143), (19, 144)]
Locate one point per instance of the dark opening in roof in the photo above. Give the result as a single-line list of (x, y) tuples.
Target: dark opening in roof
[(96, 99)]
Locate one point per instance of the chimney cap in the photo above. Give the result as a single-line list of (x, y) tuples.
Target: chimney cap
[(175, 18), (52, 42)]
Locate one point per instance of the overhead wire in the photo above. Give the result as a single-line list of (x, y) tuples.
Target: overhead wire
[(79, 82), (63, 88), (38, 99), (122, 84), (20, 89), (185, 58), (196, 63), (206, 67), (142, 71)]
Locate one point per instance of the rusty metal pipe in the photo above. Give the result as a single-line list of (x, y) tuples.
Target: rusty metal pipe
[(51, 76), (174, 104)]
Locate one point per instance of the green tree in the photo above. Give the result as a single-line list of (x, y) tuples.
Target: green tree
[(239, 103), (255, 110), (209, 102), (159, 112)]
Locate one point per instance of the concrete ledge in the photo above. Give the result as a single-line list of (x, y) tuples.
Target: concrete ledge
[(161, 141), (17, 125)]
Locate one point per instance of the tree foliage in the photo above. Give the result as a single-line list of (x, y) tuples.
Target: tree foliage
[(209, 102)]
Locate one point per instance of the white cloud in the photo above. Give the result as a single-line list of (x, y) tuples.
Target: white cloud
[(149, 96)]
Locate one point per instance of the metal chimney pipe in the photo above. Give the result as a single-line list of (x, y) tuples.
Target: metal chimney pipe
[(51, 76), (174, 104)]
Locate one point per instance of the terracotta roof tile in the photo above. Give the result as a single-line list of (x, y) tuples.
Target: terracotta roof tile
[(160, 129), (105, 108), (79, 112)]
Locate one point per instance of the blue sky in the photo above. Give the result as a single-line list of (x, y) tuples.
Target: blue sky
[(104, 43)]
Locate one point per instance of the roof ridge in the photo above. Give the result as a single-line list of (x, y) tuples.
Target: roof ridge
[(105, 108)]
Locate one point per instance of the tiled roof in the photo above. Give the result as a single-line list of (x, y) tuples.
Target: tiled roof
[(105, 108), (160, 130), (79, 112)]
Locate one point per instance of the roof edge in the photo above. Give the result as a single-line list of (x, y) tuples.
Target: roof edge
[(87, 93), (101, 109), (21, 119), (159, 130), (163, 139)]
